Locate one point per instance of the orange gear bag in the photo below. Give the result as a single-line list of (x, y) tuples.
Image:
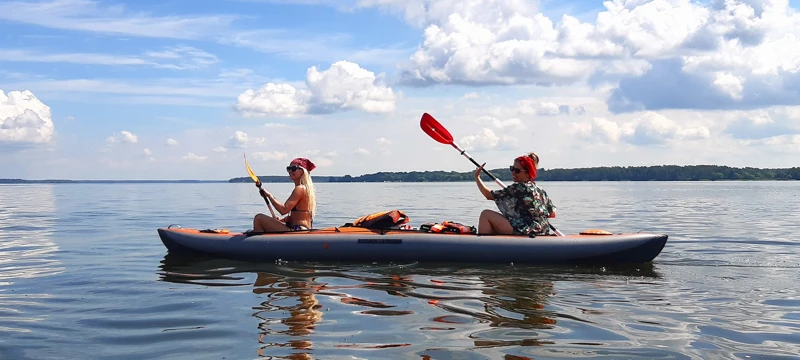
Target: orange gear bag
[(381, 220)]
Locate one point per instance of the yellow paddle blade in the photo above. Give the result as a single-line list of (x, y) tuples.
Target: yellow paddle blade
[(250, 171)]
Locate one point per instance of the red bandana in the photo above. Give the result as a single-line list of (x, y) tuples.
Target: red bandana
[(305, 163), (527, 163)]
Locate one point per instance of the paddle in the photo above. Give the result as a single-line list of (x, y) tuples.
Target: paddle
[(258, 183), (436, 131), (439, 133)]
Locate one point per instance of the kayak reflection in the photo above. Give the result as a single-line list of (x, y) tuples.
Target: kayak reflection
[(440, 300)]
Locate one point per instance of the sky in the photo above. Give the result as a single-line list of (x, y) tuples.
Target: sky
[(166, 89)]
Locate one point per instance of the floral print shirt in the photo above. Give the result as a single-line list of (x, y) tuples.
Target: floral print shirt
[(526, 206)]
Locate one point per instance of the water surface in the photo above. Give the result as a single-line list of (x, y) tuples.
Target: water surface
[(84, 275)]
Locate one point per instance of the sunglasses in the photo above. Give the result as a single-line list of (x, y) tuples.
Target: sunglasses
[(514, 170), (292, 168)]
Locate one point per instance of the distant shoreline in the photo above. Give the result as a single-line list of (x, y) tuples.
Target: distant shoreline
[(63, 181), (613, 173)]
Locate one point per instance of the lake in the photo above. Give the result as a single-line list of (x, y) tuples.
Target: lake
[(84, 275)]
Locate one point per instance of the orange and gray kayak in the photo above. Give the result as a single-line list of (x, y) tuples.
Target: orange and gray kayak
[(359, 244)]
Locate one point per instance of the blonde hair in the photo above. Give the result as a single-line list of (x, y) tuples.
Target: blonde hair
[(310, 192)]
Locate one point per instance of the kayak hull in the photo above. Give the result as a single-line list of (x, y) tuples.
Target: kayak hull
[(359, 244)]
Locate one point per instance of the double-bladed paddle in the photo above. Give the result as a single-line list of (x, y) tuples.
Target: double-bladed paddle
[(258, 183), (439, 133)]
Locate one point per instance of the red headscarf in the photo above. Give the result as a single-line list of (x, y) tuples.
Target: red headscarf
[(527, 164), (305, 163)]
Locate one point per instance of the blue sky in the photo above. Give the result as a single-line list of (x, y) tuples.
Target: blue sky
[(165, 90)]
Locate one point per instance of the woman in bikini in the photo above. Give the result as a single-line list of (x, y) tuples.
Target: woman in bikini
[(301, 204)]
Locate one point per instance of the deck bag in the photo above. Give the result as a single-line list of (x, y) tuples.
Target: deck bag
[(381, 220), (448, 227)]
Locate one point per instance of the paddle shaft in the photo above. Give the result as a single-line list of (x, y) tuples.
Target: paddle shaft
[(464, 153), (266, 200)]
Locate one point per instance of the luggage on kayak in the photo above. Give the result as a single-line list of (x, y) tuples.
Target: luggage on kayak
[(448, 227), (381, 220)]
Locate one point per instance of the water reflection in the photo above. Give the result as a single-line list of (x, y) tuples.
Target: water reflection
[(308, 309), (301, 319), (27, 218)]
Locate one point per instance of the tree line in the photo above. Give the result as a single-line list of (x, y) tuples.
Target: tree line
[(605, 173)]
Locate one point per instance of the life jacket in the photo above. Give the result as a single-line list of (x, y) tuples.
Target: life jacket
[(448, 227), (381, 220)]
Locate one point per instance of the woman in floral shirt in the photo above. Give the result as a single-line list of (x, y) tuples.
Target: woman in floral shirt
[(524, 206)]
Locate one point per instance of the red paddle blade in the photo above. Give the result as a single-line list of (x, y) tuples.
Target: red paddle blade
[(435, 130)]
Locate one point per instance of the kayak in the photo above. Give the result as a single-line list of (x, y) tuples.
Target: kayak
[(410, 245)]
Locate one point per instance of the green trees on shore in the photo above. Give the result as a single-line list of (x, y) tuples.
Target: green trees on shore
[(613, 173)]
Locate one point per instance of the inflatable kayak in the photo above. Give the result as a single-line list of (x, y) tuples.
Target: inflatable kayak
[(349, 243)]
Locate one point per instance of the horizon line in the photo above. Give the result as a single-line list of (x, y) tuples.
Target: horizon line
[(372, 173)]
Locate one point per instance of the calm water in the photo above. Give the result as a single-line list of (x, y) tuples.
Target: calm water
[(84, 275)]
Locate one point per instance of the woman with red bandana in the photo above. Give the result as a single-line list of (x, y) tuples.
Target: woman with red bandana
[(301, 204), (524, 206)]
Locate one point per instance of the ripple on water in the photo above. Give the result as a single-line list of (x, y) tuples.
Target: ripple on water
[(81, 279)]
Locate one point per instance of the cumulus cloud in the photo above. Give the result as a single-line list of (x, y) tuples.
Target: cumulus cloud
[(362, 152), (537, 107), (763, 124), (648, 129), (514, 123), (384, 141), (171, 142), (665, 54), (24, 119), (344, 86), (270, 155), (123, 136), (240, 139), (194, 157), (781, 143), (487, 140)]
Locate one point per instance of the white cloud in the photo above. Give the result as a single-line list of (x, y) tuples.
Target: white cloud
[(240, 139), (362, 152), (514, 123), (323, 162), (270, 155), (668, 54), (91, 16), (147, 152), (171, 142), (765, 123), (648, 128), (24, 118), (220, 149), (178, 58), (384, 141), (536, 107), (487, 140), (344, 86), (194, 157), (123, 136)]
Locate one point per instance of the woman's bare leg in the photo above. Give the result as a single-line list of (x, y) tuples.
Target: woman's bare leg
[(265, 223), (493, 222)]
